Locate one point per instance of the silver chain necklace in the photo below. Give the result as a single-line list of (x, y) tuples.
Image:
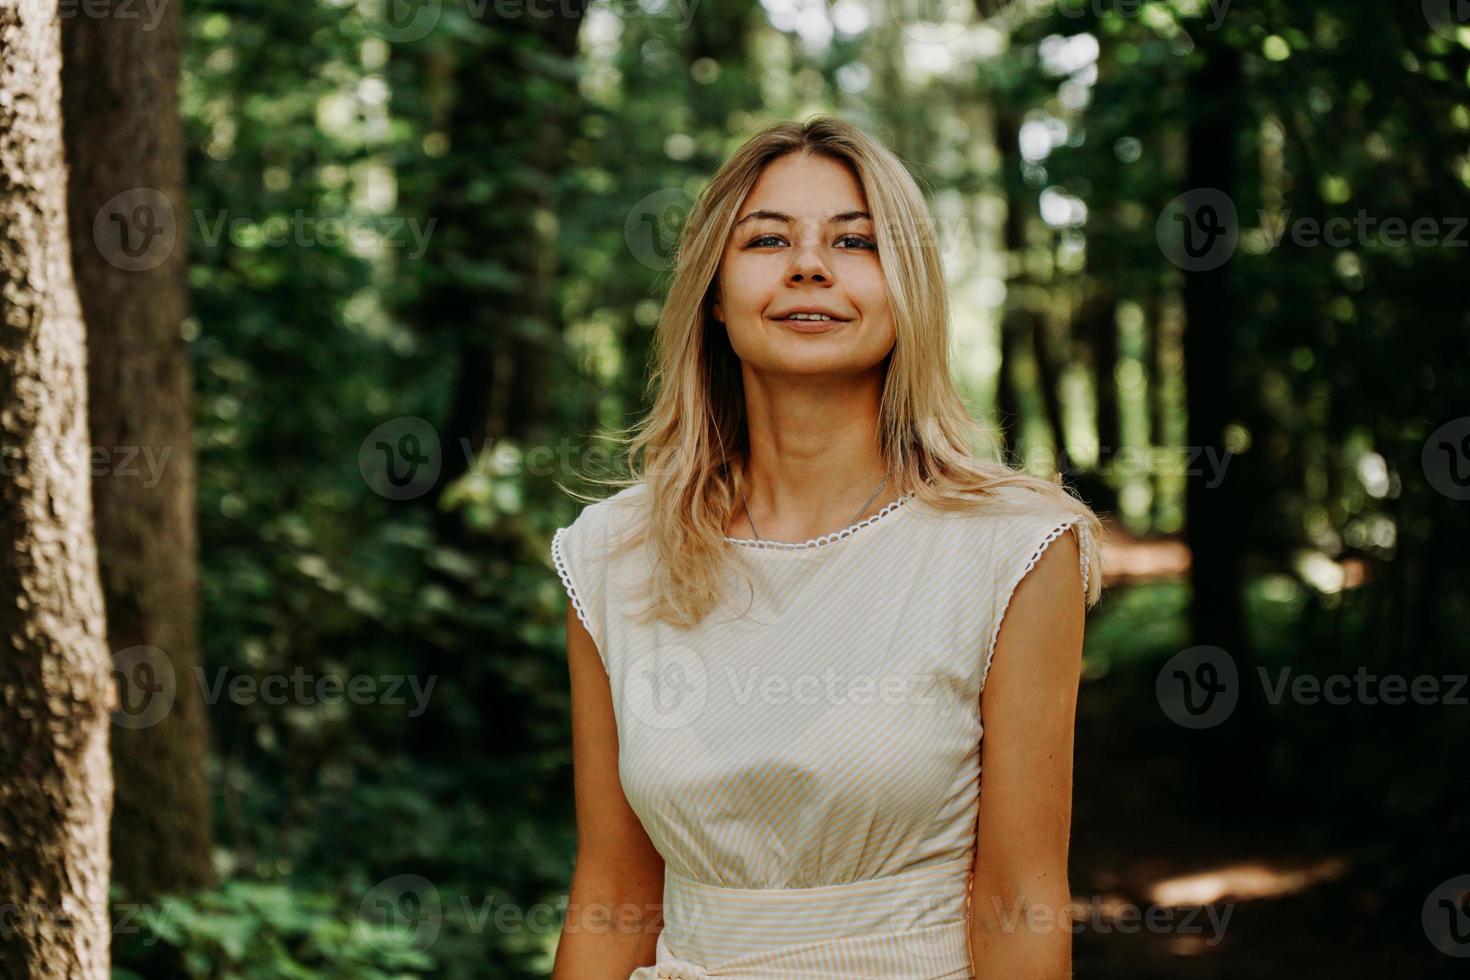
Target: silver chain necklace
[(860, 513)]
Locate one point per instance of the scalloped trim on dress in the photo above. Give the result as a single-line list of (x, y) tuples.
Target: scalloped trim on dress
[(763, 545), (1051, 536), (566, 578)]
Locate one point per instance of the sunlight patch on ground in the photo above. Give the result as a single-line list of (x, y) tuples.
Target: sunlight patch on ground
[(1244, 881)]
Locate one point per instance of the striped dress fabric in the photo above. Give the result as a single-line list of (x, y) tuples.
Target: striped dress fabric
[(807, 759)]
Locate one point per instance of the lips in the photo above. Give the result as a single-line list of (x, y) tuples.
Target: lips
[(811, 326), (785, 315)]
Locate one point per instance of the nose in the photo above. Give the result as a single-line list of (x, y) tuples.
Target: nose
[(807, 263)]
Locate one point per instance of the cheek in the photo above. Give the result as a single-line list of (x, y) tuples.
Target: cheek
[(745, 288), (871, 295)]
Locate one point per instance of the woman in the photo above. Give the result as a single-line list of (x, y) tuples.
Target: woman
[(781, 629)]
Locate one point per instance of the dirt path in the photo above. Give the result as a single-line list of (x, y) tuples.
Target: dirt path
[(1273, 907)]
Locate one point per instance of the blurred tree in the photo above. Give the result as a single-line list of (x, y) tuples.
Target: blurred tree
[(1095, 323), (557, 175), (55, 677), (1209, 347), (1015, 319), (489, 295), (125, 156)]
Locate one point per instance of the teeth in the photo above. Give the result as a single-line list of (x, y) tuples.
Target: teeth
[(808, 316)]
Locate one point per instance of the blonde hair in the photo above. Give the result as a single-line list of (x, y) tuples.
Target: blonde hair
[(689, 449)]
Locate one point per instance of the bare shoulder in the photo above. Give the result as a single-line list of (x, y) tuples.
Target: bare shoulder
[(1043, 623), (1055, 580)]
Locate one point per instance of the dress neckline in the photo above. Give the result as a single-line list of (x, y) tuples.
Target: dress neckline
[(758, 544)]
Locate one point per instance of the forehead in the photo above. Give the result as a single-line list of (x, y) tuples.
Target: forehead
[(805, 186)]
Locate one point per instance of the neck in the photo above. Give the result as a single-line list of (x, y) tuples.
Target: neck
[(815, 456)]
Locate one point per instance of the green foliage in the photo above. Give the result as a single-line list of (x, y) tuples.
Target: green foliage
[(521, 169), (256, 930)]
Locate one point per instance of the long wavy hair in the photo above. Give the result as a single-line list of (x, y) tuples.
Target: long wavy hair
[(690, 449)]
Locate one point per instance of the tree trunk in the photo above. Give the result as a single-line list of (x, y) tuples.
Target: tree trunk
[(1049, 381), (1008, 390), (124, 148), (1007, 394), (1213, 530), (1096, 324), (1161, 344), (1018, 322), (55, 676), (1215, 520), (490, 298)]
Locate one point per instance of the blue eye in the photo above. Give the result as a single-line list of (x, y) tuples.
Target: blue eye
[(861, 241)]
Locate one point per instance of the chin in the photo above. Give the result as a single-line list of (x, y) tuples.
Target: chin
[(832, 361)]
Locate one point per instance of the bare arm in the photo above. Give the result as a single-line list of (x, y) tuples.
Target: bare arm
[(614, 910), (1020, 897)]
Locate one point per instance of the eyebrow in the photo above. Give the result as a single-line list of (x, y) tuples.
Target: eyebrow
[(787, 219)]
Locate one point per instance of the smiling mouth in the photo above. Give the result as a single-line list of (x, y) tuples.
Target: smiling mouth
[(809, 318), (810, 326)]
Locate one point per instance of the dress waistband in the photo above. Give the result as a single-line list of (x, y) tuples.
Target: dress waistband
[(908, 926)]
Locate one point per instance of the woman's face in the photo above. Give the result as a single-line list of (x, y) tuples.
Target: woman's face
[(803, 242)]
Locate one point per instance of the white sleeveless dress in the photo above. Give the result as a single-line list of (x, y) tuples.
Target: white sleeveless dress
[(807, 759)]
